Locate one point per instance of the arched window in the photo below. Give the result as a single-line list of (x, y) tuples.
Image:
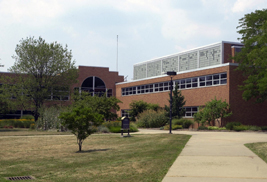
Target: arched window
[(95, 86)]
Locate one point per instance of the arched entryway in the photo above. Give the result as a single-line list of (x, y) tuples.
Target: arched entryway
[(95, 86)]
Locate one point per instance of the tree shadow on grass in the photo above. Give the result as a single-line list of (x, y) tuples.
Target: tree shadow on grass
[(8, 130), (94, 150)]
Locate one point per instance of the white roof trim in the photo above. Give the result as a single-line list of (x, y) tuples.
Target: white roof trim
[(182, 72)]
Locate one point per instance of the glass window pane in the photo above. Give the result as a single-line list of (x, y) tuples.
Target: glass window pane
[(188, 80), (202, 78), (194, 85), (194, 108), (194, 79), (215, 77), (188, 114), (223, 75), (182, 86), (202, 84), (182, 81), (209, 77), (223, 81), (216, 82), (188, 109), (188, 85), (208, 83)]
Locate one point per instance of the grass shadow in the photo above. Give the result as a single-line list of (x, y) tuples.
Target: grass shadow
[(9, 130), (94, 150)]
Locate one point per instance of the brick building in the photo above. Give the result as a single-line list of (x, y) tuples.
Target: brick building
[(202, 74)]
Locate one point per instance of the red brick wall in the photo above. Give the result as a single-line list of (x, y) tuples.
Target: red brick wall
[(108, 77), (193, 97), (246, 112)]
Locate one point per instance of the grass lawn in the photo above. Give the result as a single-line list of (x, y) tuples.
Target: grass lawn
[(106, 157), (28, 132), (259, 149)]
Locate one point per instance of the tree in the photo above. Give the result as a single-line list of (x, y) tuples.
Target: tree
[(41, 70), (178, 103), (82, 122), (137, 107), (103, 105), (213, 110), (253, 56)]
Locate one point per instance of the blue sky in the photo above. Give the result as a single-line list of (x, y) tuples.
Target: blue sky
[(147, 29)]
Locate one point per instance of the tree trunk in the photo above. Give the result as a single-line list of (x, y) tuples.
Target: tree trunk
[(80, 145)]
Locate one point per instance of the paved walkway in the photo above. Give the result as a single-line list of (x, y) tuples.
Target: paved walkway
[(217, 157)]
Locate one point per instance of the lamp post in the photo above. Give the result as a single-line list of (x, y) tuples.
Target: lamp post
[(171, 74)]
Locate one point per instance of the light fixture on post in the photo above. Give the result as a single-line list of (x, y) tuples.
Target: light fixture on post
[(171, 74)]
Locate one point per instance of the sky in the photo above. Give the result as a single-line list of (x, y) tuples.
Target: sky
[(146, 29)]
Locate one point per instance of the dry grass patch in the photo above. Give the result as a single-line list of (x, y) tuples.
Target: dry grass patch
[(104, 157), (259, 148)]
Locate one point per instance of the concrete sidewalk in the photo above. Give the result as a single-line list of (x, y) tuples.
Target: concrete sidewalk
[(217, 156)]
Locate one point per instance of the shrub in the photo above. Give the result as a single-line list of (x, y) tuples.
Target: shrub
[(102, 129), (113, 129), (240, 128), (202, 128), (213, 128), (32, 126), (184, 122), (176, 127), (28, 117), (230, 126), (177, 121), (254, 128), (133, 127), (110, 124), (152, 119), (115, 126), (264, 128)]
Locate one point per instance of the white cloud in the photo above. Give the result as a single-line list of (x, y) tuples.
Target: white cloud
[(244, 5)]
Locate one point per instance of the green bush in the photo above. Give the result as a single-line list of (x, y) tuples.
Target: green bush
[(176, 127), (16, 123), (178, 121), (133, 127), (186, 123), (230, 126), (241, 128), (115, 129), (215, 128), (254, 128), (102, 129), (202, 128), (264, 128), (29, 117), (152, 119), (110, 124)]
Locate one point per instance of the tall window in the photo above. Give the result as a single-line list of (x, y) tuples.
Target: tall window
[(95, 86)]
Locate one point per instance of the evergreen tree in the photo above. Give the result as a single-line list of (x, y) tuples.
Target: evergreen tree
[(178, 103)]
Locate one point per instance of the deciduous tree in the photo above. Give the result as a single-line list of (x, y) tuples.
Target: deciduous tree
[(213, 110), (253, 56), (82, 122), (40, 69)]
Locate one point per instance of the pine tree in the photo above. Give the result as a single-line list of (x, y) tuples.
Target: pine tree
[(177, 104)]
